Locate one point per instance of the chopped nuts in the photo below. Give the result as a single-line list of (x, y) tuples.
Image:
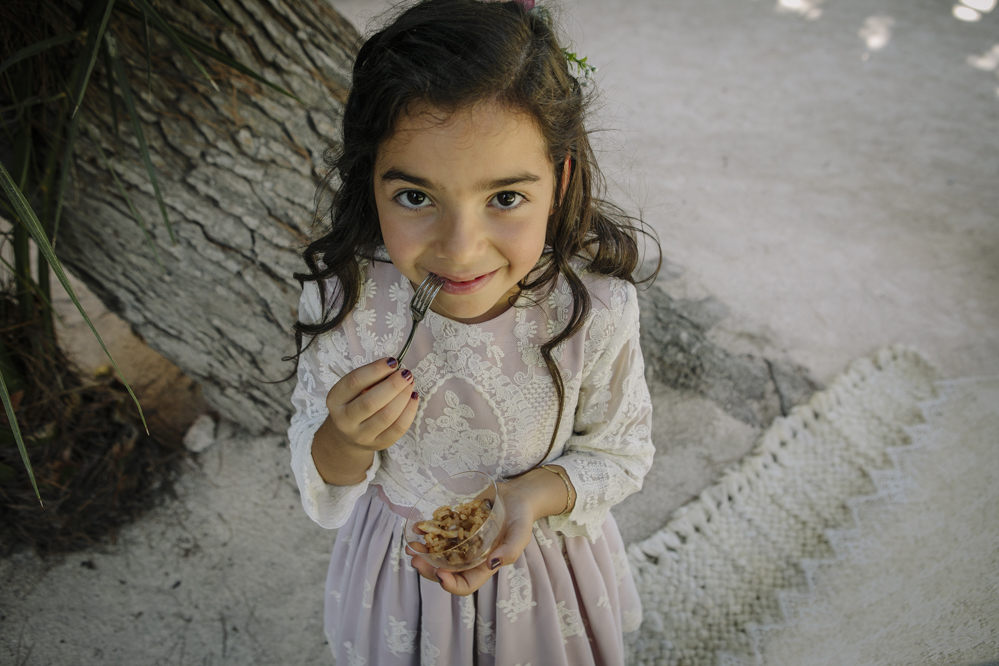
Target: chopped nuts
[(451, 533)]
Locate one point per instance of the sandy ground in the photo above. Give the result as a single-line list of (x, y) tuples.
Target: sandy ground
[(827, 172)]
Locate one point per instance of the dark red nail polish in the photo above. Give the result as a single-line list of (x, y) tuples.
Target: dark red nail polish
[(414, 395), (494, 563), (392, 362), (406, 374)]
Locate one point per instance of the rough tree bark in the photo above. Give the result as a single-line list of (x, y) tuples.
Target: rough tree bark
[(239, 171)]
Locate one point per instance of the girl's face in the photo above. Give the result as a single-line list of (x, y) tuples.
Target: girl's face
[(467, 199)]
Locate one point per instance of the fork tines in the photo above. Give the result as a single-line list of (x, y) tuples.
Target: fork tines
[(426, 293)]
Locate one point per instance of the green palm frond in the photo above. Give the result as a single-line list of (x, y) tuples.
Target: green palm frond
[(98, 24), (39, 47), (27, 217), (213, 6), (215, 54), (165, 28), (140, 136), (12, 420)]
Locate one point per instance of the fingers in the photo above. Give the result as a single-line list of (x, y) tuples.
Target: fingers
[(392, 420), (465, 582), (516, 535), (378, 396), (359, 380), (460, 583), (423, 567), (374, 405)]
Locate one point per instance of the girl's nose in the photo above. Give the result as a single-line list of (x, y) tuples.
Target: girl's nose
[(461, 238)]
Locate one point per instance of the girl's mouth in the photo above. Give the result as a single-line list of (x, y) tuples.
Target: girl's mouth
[(462, 288)]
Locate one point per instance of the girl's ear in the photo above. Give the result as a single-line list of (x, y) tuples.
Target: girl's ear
[(566, 173)]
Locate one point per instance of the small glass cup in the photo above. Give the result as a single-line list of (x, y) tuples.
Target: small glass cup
[(452, 492)]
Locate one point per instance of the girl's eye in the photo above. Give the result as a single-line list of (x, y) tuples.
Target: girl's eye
[(413, 199), (507, 200)]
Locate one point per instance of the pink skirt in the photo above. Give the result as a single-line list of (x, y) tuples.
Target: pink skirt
[(564, 602)]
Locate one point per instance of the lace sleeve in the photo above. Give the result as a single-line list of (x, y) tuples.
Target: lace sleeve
[(610, 450), (319, 368)]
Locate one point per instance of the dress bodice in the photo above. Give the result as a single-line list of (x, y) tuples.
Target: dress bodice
[(487, 401)]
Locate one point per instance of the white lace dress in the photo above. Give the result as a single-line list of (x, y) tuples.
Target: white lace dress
[(487, 403)]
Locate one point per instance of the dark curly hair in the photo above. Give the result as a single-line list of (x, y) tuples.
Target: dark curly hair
[(451, 55)]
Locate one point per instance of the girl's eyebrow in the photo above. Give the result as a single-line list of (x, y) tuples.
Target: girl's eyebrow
[(399, 174)]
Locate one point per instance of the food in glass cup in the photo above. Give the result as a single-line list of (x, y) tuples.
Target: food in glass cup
[(458, 522)]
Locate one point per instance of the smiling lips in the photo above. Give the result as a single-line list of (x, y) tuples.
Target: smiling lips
[(462, 288)]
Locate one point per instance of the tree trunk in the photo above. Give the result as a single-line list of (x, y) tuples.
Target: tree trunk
[(238, 170)]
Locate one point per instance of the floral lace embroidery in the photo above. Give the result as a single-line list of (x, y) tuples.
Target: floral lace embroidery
[(620, 561), (455, 447), (366, 599), (560, 300), (631, 621), (468, 611), (451, 337), (543, 541), (398, 552), (428, 651), (520, 594), (400, 555), (399, 639), (353, 658), (604, 601), (530, 353), (570, 622), (486, 636)]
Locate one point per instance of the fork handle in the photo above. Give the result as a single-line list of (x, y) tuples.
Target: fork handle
[(409, 341)]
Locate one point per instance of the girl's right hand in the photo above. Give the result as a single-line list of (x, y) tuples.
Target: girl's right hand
[(372, 407)]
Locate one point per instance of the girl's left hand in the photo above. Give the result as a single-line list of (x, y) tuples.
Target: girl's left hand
[(519, 521)]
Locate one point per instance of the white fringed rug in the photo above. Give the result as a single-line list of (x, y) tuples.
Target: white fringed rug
[(918, 580), (736, 565)]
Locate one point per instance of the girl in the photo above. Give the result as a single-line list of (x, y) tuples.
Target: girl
[(464, 154)]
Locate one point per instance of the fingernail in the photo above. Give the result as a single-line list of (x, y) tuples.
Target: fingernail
[(494, 563), (414, 395), (406, 374), (439, 578), (392, 362)]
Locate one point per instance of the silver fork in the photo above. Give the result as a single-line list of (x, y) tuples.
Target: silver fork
[(422, 299)]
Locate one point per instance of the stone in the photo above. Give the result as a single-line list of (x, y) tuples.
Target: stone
[(201, 434)]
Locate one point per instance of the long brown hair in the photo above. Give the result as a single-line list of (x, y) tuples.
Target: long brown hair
[(450, 55)]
